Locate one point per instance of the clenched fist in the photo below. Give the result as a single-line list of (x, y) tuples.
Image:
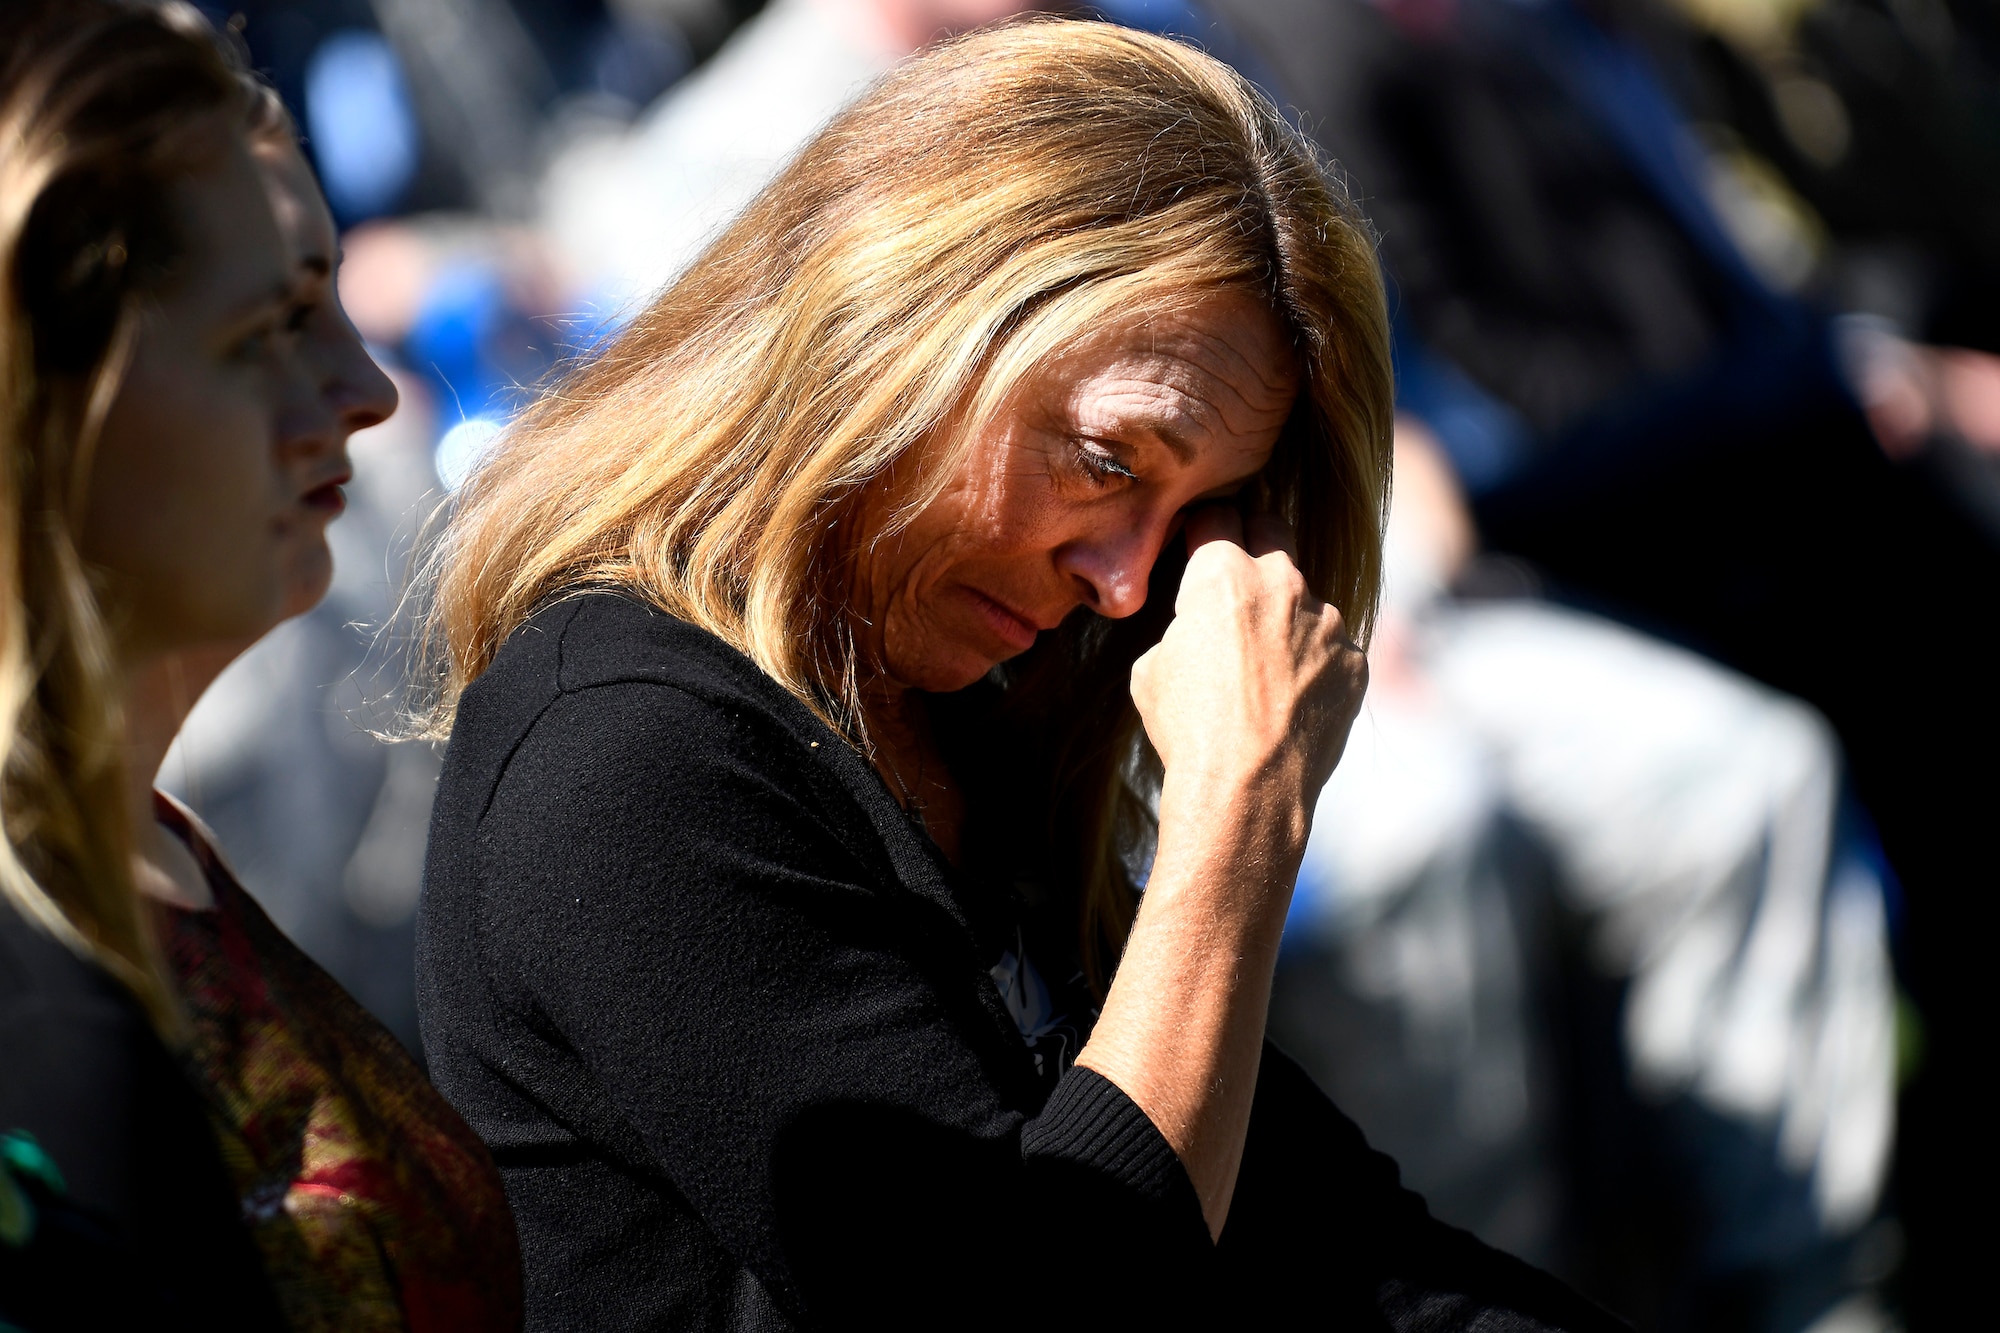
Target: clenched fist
[(1255, 683)]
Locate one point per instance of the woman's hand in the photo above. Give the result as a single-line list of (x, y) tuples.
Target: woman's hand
[(1255, 682), (1248, 699)]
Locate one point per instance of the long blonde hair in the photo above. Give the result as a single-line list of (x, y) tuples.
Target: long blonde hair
[(984, 207), (100, 104)]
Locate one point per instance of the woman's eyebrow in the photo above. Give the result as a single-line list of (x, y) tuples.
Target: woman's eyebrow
[(1177, 421), (1169, 429), (1171, 436), (279, 294)]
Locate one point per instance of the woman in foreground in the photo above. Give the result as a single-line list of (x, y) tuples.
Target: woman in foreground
[(820, 659), (185, 387)]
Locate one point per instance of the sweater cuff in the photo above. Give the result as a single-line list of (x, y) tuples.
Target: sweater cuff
[(1089, 1120)]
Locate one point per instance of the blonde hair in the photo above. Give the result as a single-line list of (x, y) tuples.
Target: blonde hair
[(100, 104), (985, 206)]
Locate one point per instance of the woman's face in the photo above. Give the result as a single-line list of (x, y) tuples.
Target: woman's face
[(1066, 496), (223, 455), (354, 391)]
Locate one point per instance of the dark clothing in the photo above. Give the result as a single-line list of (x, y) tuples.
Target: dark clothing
[(136, 1226), (730, 1024)]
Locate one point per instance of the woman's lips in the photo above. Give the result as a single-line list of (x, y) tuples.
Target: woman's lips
[(326, 499), (1014, 630)]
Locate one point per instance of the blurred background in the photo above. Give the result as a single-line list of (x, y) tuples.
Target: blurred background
[(1642, 920)]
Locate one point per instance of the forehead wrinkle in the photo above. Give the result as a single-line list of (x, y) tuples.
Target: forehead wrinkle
[(1230, 354), (1175, 396), (1216, 354), (1164, 410)]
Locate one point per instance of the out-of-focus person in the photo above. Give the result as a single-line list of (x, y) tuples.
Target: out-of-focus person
[(1857, 147), (426, 106), (1852, 147), (216, 466), (1585, 937), (115, 1208), (1669, 434), (325, 824), (628, 211)]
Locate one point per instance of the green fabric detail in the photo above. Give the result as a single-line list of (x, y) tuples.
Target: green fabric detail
[(22, 1159), (20, 1151)]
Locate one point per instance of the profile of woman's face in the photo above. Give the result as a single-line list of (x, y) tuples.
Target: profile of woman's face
[(1067, 495), (223, 454), (354, 391)]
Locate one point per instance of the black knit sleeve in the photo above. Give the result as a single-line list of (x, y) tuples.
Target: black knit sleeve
[(666, 893)]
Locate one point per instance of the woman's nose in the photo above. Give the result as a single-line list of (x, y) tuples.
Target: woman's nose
[(338, 390), (1112, 570), (359, 391)]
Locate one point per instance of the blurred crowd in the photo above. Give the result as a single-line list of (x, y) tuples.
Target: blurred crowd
[(1640, 921)]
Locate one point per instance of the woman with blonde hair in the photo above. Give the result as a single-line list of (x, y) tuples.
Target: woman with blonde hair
[(826, 682), (115, 1209), (182, 385)]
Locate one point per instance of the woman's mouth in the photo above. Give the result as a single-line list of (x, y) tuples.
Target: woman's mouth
[(326, 499), (1014, 630)]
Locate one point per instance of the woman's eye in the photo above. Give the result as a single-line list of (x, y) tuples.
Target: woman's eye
[(1100, 464)]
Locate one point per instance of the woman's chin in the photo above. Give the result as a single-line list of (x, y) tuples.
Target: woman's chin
[(308, 579), (949, 673)]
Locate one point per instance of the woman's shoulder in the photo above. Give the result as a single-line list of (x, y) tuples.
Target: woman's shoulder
[(598, 638), (68, 1031), (601, 674), (602, 713), (41, 972), (584, 646), (108, 1159)]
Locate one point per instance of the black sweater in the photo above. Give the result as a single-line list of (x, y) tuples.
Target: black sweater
[(727, 1021), (136, 1225)]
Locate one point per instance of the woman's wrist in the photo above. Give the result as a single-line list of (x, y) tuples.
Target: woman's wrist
[(1234, 843), (1251, 807)]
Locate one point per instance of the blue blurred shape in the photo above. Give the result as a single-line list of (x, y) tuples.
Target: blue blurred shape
[(452, 340), (635, 62), (1486, 440), (363, 133), (477, 350), (1188, 21)]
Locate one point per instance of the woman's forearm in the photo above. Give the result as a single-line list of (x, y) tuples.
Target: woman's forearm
[(1183, 1026), (1247, 698)]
